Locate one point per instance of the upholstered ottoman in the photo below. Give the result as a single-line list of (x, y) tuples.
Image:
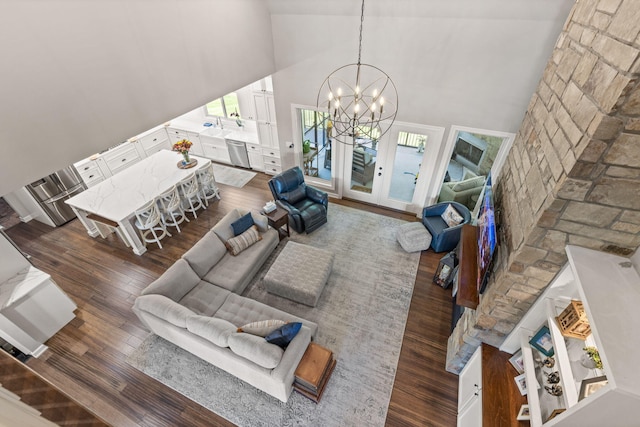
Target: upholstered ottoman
[(299, 273), (413, 237)]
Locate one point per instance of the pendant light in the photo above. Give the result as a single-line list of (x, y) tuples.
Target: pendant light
[(359, 99)]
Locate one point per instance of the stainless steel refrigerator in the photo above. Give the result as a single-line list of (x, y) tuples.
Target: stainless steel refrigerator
[(51, 191)]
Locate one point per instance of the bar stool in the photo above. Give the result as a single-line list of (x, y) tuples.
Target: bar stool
[(207, 182), (171, 209), (149, 221), (190, 194)]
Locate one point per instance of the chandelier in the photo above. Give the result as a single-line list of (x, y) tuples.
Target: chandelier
[(362, 108)]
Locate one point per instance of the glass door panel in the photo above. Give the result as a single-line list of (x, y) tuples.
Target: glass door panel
[(316, 145), (406, 166), (394, 171)]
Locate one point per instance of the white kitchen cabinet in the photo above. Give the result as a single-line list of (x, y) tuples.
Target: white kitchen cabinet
[(268, 134), (470, 392), (176, 135), (153, 142), (266, 122), (609, 288), (254, 151), (265, 107), (271, 159), (215, 148), (90, 171), (121, 157), (263, 85), (196, 148)]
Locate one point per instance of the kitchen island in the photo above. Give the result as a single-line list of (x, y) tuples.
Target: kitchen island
[(115, 200)]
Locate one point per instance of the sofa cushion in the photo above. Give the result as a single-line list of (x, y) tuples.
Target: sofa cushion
[(237, 244), (284, 334), (261, 221), (451, 216), (262, 328), (164, 308), (174, 283), (223, 228), (205, 253), (239, 310), (255, 349), (468, 184), (212, 329), (242, 224), (205, 298), (234, 272)]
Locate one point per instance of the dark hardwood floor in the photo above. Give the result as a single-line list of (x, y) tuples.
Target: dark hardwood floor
[(87, 358)]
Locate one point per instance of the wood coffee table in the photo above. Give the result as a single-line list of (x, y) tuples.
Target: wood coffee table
[(277, 219)]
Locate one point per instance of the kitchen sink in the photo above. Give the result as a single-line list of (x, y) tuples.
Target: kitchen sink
[(216, 132)]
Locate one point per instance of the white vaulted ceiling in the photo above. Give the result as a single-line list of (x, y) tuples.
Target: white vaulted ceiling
[(78, 77)]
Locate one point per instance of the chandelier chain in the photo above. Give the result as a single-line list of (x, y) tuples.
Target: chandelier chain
[(360, 40)]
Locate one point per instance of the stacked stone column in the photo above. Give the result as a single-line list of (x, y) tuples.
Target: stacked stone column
[(573, 173)]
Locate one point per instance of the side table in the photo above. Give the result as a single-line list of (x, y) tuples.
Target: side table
[(277, 219)]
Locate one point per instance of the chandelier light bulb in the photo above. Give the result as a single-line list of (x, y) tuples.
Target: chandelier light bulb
[(339, 92), (375, 94), (330, 96), (356, 108)]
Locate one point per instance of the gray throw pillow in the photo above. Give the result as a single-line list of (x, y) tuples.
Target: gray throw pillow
[(255, 349)]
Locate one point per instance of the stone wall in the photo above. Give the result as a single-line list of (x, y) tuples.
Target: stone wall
[(573, 174)]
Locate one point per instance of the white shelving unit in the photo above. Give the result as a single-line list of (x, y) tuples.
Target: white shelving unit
[(609, 288)]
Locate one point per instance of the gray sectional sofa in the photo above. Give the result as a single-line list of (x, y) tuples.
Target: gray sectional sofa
[(196, 305)]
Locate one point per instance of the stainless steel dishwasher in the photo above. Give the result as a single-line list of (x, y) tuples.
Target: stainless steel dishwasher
[(238, 153)]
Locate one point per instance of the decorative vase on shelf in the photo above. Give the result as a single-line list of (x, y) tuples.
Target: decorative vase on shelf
[(587, 361)]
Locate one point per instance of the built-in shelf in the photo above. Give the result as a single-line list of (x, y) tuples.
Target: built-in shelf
[(609, 288)]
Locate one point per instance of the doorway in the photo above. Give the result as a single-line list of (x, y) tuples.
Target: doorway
[(473, 154), (395, 170)]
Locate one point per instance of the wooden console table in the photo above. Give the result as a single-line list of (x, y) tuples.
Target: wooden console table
[(467, 295)]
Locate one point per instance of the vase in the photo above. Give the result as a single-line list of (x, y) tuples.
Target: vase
[(587, 361), (187, 159)]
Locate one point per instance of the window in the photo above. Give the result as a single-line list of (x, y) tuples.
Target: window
[(227, 106)]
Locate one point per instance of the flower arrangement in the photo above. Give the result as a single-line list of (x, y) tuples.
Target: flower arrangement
[(182, 146), (594, 355)]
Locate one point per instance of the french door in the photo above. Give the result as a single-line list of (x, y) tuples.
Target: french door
[(394, 171)]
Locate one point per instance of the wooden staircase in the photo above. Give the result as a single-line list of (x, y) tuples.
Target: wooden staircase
[(41, 396)]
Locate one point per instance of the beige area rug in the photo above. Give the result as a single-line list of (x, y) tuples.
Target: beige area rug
[(361, 317), (232, 176)]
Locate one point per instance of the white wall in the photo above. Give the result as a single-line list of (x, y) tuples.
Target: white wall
[(471, 64), (80, 76)]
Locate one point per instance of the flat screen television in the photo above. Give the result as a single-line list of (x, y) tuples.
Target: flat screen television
[(486, 235)]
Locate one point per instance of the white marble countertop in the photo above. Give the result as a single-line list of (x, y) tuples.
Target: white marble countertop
[(119, 196), (248, 137), (25, 281), (187, 125)]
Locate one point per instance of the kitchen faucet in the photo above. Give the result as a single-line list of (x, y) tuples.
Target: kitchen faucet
[(219, 122)]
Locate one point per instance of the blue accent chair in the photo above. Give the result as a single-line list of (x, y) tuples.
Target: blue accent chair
[(306, 206), (443, 237)]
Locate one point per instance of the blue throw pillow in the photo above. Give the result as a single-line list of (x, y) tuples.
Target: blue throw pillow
[(284, 334), (242, 224)]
